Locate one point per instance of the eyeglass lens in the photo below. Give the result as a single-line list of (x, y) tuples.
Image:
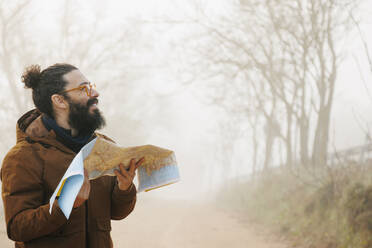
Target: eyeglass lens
[(89, 89)]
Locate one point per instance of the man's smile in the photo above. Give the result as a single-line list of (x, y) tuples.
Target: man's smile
[(92, 103)]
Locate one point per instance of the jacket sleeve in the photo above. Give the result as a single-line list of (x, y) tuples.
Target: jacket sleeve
[(122, 202), (26, 214)]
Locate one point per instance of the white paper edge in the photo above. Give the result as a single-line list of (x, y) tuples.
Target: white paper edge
[(76, 168)]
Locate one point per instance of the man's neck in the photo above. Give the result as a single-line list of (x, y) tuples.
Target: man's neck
[(62, 122)]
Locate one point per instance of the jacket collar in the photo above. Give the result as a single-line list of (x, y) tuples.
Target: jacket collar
[(31, 127)]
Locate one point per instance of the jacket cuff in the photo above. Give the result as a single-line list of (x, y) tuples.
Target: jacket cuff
[(129, 193)]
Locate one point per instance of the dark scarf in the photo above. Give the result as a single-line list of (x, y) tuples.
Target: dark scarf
[(64, 135)]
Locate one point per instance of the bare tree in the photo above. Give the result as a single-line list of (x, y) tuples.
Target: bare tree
[(284, 55), (14, 44)]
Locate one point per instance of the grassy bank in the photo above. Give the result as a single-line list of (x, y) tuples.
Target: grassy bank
[(314, 207)]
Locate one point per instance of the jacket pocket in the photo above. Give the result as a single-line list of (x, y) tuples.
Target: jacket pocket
[(65, 230), (103, 225), (75, 224)]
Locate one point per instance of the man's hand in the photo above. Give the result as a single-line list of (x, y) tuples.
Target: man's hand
[(84, 191), (125, 177)]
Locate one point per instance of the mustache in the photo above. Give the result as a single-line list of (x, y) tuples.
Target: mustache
[(92, 101)]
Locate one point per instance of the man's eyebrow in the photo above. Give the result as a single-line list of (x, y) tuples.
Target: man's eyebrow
[(84, 83)]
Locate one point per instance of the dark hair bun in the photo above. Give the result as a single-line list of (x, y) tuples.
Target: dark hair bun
[(31, 76)]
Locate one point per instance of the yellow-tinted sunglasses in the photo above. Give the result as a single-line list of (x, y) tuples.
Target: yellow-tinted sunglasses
[(86, 87)]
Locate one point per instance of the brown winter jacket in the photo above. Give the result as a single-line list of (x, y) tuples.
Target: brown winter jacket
[(30, 173)]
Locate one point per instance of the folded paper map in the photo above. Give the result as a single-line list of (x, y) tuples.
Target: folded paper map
[(101, 157), (159, 167)]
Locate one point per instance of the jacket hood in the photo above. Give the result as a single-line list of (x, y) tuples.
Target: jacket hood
[(30, 125), (31, 128)]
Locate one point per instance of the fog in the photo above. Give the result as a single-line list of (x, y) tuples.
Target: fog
[(167, 75)]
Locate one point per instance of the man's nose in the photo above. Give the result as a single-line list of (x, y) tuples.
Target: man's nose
[(94, 93)]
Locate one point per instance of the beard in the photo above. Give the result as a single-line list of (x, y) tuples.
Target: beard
[(84, 121)]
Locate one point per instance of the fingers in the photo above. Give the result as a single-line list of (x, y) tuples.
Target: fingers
[(84, 192), (119, 175), (134, 166), (140, 162), (126, 173), (82, 196), (129, 173), (125, 176), (86, 175), (122, 174), (85, 188)]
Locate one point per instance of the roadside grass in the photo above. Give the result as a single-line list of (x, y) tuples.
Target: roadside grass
[(323, 207)]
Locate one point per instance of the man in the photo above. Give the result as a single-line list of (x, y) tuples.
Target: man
[(48, 138)]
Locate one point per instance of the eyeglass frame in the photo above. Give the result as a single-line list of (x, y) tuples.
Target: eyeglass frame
[(84, 86)]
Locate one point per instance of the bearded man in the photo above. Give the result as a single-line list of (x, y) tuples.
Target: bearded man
[(48, 138)]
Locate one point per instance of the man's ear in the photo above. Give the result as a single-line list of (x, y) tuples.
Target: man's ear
[(59, 101)]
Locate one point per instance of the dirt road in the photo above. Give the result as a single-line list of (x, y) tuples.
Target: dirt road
[(184, 224), (159, 223)]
